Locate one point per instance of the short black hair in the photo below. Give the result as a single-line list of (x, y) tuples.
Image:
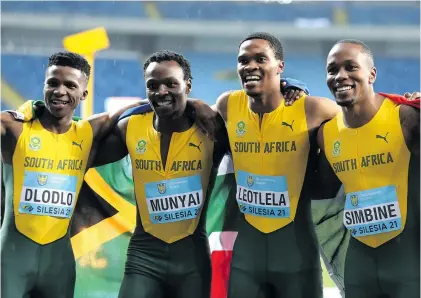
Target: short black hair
[(365, 48), (274, 42), (72, 60), (167, 55)]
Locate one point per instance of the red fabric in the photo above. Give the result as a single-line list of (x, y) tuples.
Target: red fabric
[(221, 262), (399, 99)]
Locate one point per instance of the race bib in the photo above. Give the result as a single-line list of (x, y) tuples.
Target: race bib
[(373, 211), (174, 200), (265, 196), (48, 194)]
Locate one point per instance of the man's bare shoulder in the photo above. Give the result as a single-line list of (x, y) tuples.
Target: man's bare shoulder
[(320, 101), (320, 109), (222, 103), (11, 121), (223, 98), (409, 114), (410, 122), (98, 120)]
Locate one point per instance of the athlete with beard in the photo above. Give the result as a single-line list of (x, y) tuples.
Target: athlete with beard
[(174, 167), (372, 147), (43, 163)]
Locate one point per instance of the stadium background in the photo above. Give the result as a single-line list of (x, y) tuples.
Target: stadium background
[(207, 33)]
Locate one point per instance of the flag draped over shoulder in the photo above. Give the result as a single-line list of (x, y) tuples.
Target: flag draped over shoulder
[(104, 220)]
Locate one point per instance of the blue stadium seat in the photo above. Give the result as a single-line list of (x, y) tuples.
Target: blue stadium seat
[(105, 8), (363, 14), (358, 13), (243, 11)]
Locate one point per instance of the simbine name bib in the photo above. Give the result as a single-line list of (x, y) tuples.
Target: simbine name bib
[(372, 211)]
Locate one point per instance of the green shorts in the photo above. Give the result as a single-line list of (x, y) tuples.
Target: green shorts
[(284, 263), (393, 268), (157, 269), (29, 269), (33, 270)]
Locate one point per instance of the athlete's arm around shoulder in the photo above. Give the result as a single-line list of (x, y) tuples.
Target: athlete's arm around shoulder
[(112, 147), (319, 109), (325, 183), (11, 128), (103, 123), (410, 123)]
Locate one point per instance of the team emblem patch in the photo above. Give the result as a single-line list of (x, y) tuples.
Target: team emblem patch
[(354, 200), (35, 143), (336, 148), (241, 128), (141, 147), (250, 181), (42, 179), (162, 188)]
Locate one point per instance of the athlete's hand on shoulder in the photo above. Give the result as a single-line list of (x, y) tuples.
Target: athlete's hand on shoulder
[(204, 117), (413, 96), (292, 94)]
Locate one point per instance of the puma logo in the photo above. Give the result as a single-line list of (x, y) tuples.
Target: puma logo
[(289, 125), (77, 144), (196, 146), (381, 137)]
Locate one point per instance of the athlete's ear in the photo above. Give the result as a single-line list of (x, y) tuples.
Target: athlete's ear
[(373, 75), (84, 94), (281, 66), (188, 86)]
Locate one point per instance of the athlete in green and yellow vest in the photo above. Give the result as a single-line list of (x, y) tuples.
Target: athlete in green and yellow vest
[(380, 177), (174, 167), (372, 148), (376, 202), (170, 197), (276, 252), (269, 169), (46, 182), (44, 160)]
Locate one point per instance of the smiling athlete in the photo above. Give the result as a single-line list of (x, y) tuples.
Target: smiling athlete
[(44, 161), (276, 253), (174, 167), (373, 147)]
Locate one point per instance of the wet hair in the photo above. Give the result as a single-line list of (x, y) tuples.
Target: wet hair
[(72, 60), (166, 55), (366, 50), (273, 41)]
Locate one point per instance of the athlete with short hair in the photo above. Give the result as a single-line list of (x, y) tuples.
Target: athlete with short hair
[(372, 147), (43, 164)]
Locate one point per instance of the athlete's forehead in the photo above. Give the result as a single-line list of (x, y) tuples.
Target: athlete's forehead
[(345, 52), (164, 70), (64, 73), (254, 47)]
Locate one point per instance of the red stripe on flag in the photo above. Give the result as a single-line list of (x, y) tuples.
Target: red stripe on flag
[(399, 99), (221, 264)]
